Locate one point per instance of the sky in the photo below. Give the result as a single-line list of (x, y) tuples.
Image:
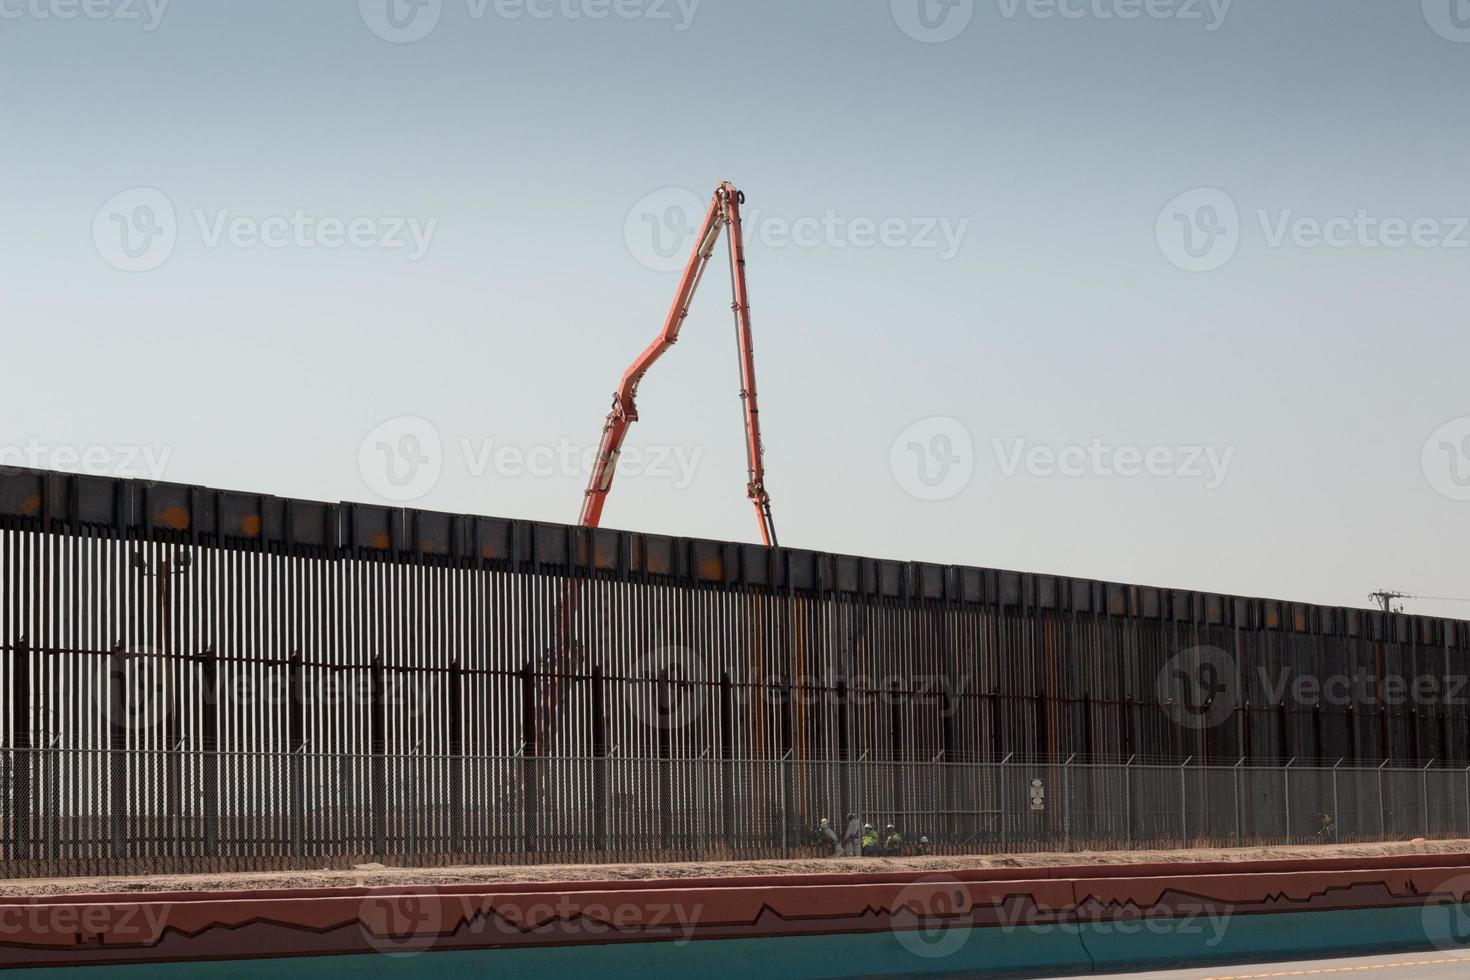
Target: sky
[(1160, 291)]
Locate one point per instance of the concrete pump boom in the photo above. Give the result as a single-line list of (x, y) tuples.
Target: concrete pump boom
[(724, 213)]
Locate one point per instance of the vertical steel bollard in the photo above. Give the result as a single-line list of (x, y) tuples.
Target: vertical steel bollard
[(895, 748), (209, 725), (295, 746), (844, 754), (946, 773), (20, 744), (117, 754), (599, 760), (787, 752), (665, 766), (455, 741), (526, 817), (727, 765), (379, 744)]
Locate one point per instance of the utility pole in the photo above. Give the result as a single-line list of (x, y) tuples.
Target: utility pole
[(1385, 599)]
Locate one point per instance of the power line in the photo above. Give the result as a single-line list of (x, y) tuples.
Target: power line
[(1385, 599)]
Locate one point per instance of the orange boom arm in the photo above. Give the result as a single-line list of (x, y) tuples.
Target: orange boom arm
[(724, 213)]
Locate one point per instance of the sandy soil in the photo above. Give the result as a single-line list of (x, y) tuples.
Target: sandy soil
[(372, 874)]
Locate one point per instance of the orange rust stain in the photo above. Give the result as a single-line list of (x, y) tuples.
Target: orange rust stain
[(31, 505), (488, 551), (604, 559), (1120, 606), (1301, 622), (379, 541), (174, 517), (657, 564), (1273, 618), (250, 525), (711, 569)]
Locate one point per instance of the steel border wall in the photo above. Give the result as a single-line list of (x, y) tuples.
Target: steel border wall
[(156, 618)]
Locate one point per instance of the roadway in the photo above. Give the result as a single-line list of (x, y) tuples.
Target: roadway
[(1400, 966)]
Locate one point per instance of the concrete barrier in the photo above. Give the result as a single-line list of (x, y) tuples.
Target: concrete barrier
[(1040, 920)]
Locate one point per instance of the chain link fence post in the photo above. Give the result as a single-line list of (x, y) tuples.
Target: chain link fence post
[(1128, 797), (1424, 795), (1067, 803), (1001, 782), (1382, 804), (1286, 785), (52, 788), (785, 765), (1184, 803), (1238, 780), (176, 787), (1336, 812)]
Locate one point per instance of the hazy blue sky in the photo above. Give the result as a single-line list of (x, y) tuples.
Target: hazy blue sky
[(1232, 235)]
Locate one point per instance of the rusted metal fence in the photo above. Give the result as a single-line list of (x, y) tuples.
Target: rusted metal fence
[(156, 637), (188, 811)]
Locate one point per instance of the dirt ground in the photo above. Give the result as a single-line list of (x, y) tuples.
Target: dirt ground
[(373, 874)]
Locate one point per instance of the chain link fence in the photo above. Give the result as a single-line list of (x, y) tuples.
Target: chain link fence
[(86, 811)]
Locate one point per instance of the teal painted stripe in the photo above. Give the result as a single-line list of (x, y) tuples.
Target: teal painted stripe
[(1281, 936), (1058, 950)]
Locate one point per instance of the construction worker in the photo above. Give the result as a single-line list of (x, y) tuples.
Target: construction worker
[(870, 841), (892, 841), (852, 838), (923, 845), (1326, 831), (827, 837)]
